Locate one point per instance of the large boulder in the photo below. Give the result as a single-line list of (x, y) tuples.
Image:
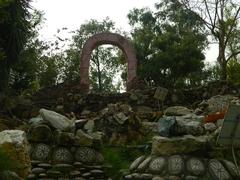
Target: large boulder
[(178, 145), (56, 120), (188, 124), (166, 125), (14, 144)]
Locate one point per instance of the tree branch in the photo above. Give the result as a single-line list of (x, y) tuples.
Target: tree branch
[(232, 26)]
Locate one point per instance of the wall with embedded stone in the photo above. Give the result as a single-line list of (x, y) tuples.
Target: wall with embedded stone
[(58, 150)]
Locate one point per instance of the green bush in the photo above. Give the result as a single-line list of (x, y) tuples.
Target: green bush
[(6, 163), (119, 158)]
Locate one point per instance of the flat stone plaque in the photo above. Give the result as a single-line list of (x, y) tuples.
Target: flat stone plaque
[(160, 93), (230, 132)]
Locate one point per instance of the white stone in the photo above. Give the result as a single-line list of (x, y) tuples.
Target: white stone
[(210, 127), (57, 120)]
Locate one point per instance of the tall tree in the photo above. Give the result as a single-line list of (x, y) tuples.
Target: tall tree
[(221, 18), (169, 43), (14, 31)]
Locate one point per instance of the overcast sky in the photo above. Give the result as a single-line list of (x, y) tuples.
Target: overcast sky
[(73, 13)]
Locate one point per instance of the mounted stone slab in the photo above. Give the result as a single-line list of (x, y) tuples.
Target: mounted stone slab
[(178, 145), (58, 121)]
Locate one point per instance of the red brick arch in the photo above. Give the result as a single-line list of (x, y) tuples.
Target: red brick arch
[(113, 39)]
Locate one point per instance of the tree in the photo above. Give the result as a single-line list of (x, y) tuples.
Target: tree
[(14, 31), (169, 43), (104, 62), (221, 18)]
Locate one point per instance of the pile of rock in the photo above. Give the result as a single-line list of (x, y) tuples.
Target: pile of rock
[(118, 123), (58, 149)]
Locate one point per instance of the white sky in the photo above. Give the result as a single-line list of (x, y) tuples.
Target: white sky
[(73, 13)]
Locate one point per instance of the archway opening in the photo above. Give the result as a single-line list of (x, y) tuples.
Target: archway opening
[(108, 70)]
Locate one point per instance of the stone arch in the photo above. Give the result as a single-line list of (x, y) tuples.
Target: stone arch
[(113, 39)]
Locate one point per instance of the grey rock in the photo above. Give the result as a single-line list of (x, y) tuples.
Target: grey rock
[(157, 165), (195, 166), (89, 126), (157, 178), (85, 155), (36, 121), (191, 178), (41, 152), (66, 168), (78, 164), (136, 163), (217, 170), (146, 176), (188, 125), (120, 117), (80, 123), (96, 172), (62, 155), (175, 165), (74, 173), (58, 121), (63, 138), (128, 177), (232, 169), (42, 175), (136, 175), (219, 122), (210, 127), (144, 165), (178, 145), (40, 133), (83, 139), (54, 174), (38, 170), (177, 111), (31, 176), (86, 175), (166, 125), (173, 178), (45, 165), (218, 103)]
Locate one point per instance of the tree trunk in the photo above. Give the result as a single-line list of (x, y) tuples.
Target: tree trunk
[(222, 60), (4, 77), (99, 73)]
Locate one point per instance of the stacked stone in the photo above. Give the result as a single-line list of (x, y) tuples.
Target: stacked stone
[(76, 170), (181, 167), (56, 151)]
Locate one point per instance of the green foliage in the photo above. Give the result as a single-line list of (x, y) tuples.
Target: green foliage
[(169, 43), (119, 159), (14, 32), (233, 72), (6, 162)]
